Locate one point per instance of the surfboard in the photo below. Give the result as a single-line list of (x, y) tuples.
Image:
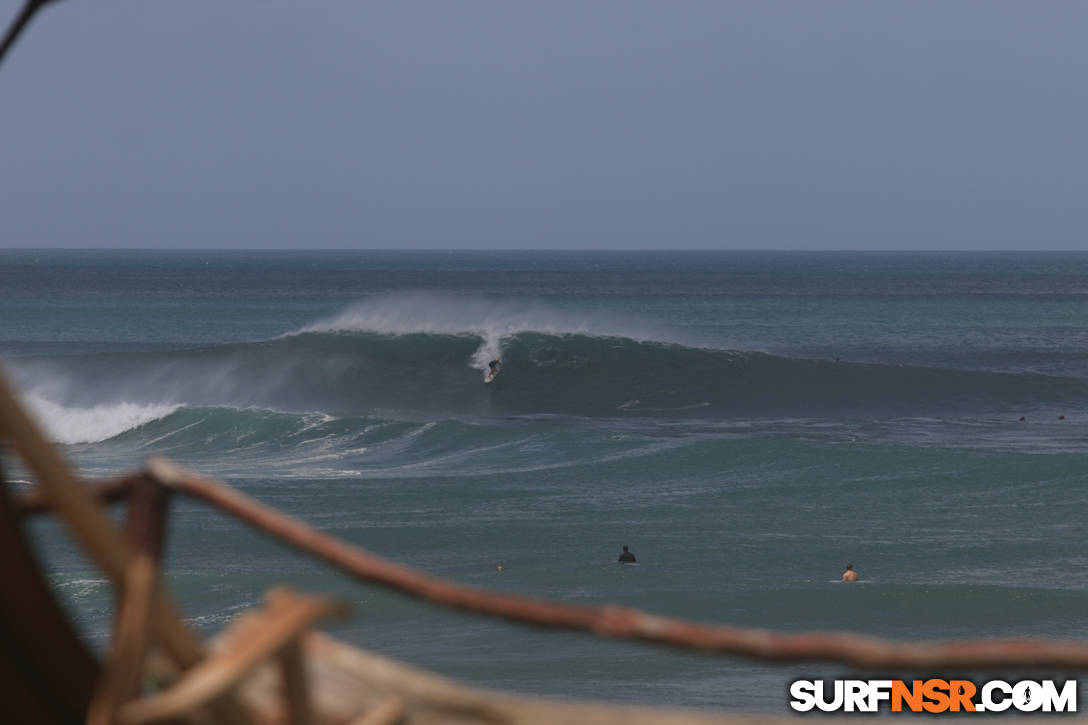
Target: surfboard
[(492, 374)]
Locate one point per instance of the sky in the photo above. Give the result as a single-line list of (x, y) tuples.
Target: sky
[(920, 124)]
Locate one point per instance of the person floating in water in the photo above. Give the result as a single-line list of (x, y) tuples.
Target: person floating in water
[(627, 557), (849, 575)]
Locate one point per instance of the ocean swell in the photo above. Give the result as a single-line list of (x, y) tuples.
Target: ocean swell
[(437, 375)]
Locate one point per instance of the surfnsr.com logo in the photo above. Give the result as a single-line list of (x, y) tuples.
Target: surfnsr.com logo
[(933, 696)]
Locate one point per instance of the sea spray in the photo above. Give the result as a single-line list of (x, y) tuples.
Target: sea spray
[(490, 320), (93, 424)]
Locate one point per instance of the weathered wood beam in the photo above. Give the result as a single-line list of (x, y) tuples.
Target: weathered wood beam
[(267, 634), (120, 681)]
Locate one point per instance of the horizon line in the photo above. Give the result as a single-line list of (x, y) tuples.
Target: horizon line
[(450, 250)]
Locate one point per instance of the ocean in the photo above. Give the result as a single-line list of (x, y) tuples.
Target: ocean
[(746, 422)]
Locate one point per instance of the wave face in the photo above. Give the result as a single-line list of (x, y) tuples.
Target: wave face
[(421, 357), (435, 373)]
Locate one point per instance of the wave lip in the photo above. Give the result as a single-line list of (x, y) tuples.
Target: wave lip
[(96, 423), (492, 321)]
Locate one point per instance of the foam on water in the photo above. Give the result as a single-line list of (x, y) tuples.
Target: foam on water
[(96, 423)]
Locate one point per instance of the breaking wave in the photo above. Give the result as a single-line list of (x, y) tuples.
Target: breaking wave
[(423, 355), (95, 423)]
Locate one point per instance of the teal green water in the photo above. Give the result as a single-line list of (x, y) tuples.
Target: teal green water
[(748, 423)]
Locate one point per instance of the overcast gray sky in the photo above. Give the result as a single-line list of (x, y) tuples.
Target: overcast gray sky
[(605, 125)]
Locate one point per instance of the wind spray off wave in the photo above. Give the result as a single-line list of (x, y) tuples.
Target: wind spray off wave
[(490, 320)]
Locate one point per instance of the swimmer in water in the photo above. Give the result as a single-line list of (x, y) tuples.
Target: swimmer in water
[(626, 557), (849, 575)]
